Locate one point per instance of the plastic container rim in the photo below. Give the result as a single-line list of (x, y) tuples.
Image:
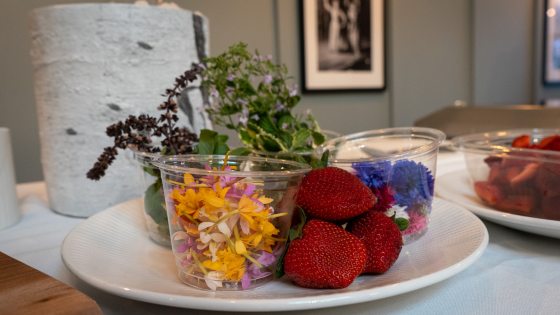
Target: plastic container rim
[(437, 137), (466, 144), (163, 164)]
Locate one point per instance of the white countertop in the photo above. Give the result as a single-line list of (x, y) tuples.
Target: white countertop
[(519, 273)]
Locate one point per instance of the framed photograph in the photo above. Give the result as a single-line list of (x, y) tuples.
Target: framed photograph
[(551, 71), (343, 45)]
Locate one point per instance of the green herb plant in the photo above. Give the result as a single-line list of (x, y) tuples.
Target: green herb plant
[(250, 94)]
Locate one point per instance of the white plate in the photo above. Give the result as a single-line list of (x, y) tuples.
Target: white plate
[(111, 251), (456, 186)]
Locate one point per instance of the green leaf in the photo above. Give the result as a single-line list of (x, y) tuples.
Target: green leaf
[(269, 143), (246, 87), (322, 162), (241, 151), (267, 125), (206, 142), (285, 120), (318, 138), (402, 223), (300, 138), (152, 171), (245, 137), (154, 203)]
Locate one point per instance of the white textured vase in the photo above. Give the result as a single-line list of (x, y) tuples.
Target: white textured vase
[(95, 64)]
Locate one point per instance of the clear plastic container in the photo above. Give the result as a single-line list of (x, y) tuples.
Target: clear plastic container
[(398, 165), (514, 180), (154, 201), (229, 217)]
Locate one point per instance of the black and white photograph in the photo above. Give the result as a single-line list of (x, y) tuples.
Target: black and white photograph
[(552, 42), (343, 44)]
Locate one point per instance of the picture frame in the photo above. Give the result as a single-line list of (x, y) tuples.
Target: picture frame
[(551, 43), (346, 53)]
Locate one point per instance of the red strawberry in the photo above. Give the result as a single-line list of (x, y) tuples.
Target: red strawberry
[(522, 204), (333, 194), (526, 174), (326, 257), (491, 194), (548, 179), (523, 141), (551, 208), (549, 143), (382, 238)]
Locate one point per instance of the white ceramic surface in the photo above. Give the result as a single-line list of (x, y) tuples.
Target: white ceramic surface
[(9, 209), (111, 251), (456, 186)]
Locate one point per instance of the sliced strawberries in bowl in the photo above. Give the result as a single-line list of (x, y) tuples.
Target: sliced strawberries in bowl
[(523, 174)]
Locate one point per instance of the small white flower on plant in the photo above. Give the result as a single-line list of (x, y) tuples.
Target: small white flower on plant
[(294, 90), (244, 118)]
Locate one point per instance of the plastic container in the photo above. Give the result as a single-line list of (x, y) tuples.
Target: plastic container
[(229, 217), (514, 180), (398, 165), (154, 201)]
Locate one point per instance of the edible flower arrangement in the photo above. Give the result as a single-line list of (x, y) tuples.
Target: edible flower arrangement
[(226, 233), (229, 223), (524, 182), (403, 188)]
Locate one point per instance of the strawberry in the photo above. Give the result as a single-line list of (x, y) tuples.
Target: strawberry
[(491, 194), (326, 257), (551, 208), (528, 173), (522, 204), (523, 141), (382, 239), (548, 179), (333, 194), (549, 143)]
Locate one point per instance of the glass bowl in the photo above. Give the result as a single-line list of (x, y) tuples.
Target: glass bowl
[(229, 217), (514, 180), (398, 165)]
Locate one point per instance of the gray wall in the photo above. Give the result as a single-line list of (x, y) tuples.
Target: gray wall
[(503, 51), (438, 51)]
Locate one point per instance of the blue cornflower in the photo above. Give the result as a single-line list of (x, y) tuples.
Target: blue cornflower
[(373, 174), (412, 183)]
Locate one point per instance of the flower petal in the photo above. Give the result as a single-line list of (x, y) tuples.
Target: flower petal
[(188, 178), (205, 225), (224, 228), (240, 247)]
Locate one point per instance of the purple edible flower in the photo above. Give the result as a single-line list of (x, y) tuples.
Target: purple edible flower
[(373, 174), (253, 271), (412, 183)]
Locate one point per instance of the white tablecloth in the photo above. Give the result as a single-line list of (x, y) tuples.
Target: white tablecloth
[(519, 273)]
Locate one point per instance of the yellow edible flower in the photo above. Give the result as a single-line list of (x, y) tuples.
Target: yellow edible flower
[(229, 263)]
